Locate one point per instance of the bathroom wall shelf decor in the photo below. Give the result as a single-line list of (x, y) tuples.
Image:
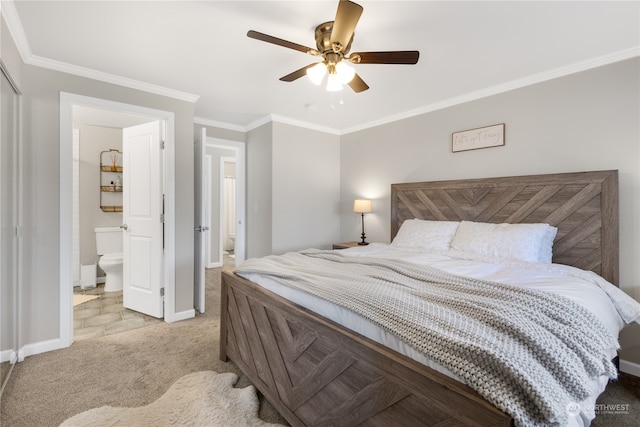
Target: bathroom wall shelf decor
[(111, 180)]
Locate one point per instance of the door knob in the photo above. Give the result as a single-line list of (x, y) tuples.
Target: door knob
[(124, 226)]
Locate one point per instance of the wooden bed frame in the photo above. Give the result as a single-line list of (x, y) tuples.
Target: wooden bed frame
[(318, 373)]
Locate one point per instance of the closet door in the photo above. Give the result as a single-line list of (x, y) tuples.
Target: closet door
[(9, 202)]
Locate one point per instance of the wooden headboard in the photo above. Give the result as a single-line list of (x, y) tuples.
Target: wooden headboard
[(583, 205)]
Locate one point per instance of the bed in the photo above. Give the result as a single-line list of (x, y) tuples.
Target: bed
[(317, 372)]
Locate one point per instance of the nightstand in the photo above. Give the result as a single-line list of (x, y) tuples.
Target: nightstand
[(345, 245)]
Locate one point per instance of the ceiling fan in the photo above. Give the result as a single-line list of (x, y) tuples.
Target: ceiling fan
[(333, 41)]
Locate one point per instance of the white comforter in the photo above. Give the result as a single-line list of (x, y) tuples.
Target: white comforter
[(607, 302)]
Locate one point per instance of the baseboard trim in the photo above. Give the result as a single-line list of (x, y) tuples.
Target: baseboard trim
[(630, 368), (8, 356), (40, 347), (184, 315)]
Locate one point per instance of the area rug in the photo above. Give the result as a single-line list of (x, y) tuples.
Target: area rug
[(79, 299), (204, 398)]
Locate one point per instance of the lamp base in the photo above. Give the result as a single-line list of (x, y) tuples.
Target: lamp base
[(363, 243)]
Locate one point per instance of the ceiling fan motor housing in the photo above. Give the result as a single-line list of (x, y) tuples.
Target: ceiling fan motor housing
[(323, 39)]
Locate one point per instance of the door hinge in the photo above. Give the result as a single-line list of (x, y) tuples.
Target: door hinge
[(162, 145), (162, 218), (162, 292)]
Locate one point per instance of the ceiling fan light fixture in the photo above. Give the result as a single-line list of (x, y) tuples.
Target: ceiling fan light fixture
[(333, 83), (316, 73), (345, 72)]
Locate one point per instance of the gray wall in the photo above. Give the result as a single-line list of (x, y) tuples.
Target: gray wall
[(41, 239), (586, 121), (293, 188), (306, 188), (93, 140), (259, 191)]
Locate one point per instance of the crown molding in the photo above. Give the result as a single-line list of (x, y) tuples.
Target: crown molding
[(8, 10), (311, 126), (17, 32), (219, 124), (505, 87), (64, 67)]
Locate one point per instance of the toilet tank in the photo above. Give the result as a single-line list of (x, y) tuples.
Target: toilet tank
[(108, 240)]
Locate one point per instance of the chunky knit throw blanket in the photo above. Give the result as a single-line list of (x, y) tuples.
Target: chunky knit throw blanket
[(530, 353)]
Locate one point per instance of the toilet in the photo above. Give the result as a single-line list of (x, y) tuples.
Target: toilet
[(109, 248)]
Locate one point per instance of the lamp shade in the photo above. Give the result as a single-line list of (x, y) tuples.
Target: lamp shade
[(362, 206)]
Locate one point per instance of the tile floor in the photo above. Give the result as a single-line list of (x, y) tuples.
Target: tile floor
[(106, 315)]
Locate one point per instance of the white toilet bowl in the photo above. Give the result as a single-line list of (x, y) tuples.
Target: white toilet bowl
[(111, 264), (109, 248)]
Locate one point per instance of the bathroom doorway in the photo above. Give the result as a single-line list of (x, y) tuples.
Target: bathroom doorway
[(78, 112)]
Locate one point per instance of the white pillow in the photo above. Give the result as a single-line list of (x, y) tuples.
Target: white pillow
[(424, 234), (546, 249), (525, 242)]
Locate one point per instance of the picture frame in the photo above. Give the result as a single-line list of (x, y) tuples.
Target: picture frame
[(473, 139)]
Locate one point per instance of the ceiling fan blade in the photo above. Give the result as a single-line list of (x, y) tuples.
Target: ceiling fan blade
[(280, 42), (345, 23), (297, 74), (393, 57), (358, 85)]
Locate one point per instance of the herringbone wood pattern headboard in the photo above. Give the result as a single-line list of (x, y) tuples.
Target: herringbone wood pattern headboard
[(583, 205)]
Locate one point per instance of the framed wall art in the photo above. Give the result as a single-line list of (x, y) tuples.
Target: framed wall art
[(472, 139)]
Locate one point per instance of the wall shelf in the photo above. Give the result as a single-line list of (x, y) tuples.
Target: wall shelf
[(111, 180)]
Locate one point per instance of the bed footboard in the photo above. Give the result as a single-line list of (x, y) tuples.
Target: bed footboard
[(316, 372)]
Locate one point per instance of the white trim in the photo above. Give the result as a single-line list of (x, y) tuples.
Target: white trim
[(221, 217), (259, 122), (40, 347), (504, 87), (67, 101), (52, 64), (17, 32), (184, 315), (630, 368), (209, 262), (241, 192), (219, 124), (9, 355)]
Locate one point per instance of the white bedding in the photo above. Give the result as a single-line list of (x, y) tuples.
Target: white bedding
[(585, 288)]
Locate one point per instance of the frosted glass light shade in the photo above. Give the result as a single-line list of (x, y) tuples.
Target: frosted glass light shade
[(316, 73), (345, 72), (333, 84)]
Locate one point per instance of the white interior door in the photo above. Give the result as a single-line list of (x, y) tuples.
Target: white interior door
[(199, 221), (142, 219)]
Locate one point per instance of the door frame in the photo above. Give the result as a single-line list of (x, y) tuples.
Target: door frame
[(241, 192), (67, 102), (223, 160)]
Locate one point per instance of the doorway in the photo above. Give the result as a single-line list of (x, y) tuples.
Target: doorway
[(227, 214), (107, 113), (208, 241)]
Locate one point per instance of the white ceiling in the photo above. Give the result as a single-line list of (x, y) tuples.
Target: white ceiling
[(199, 50)]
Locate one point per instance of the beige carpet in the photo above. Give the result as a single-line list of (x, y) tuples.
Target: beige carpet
[(79, 299), (206, 399), (129, 369)]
